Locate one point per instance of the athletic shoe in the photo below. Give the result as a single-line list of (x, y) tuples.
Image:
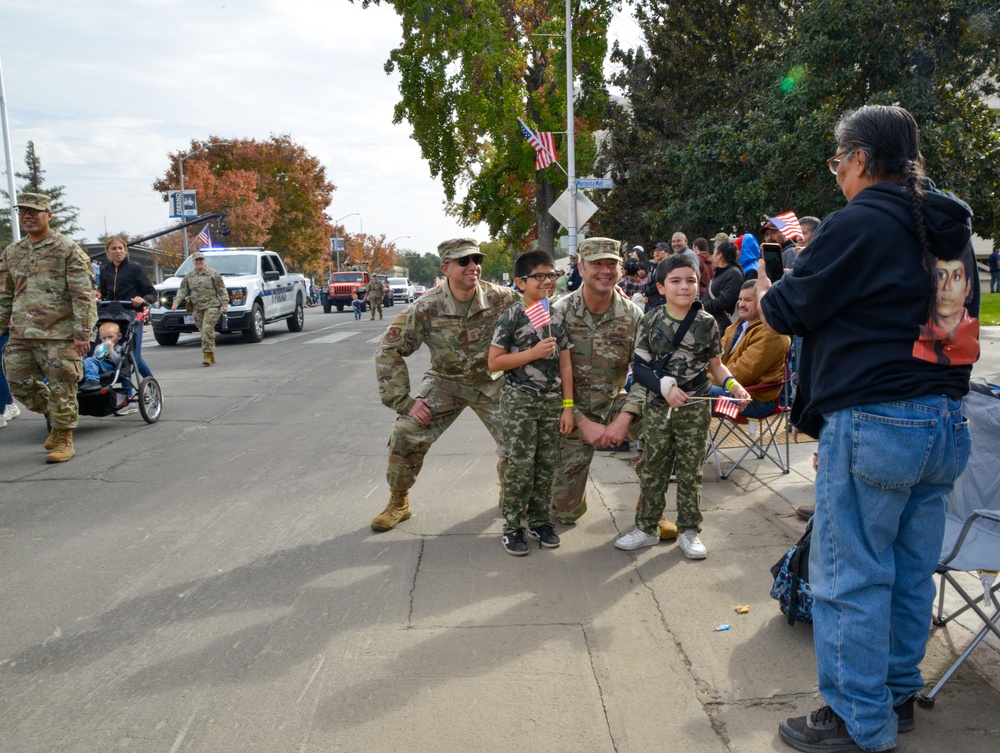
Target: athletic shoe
[(126, 410), (691, 545), (545, 535), (804, 512), (11, 411), (636, 539), (821, 731), (3, 422), (904, 712), (90, 384), (514, 543)]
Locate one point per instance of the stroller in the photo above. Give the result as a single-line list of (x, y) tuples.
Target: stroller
[(118, 387)]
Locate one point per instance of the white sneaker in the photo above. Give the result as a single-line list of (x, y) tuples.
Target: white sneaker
[(636, 539), (126, 410), (691, 545), (11, 411), (3, 422)]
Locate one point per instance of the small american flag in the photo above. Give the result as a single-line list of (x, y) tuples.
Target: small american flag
[(726, 407), (787, 224), (204, 237), (538, 313), (544, 143)]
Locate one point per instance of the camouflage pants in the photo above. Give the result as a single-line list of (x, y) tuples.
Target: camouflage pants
[(375, 303), (676, 443), (411, 440), (569, 487), (27, 362), (205, 320), (531, 440)]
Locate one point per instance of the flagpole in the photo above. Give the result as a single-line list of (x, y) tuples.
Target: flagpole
[(570, 137), (15, 226)]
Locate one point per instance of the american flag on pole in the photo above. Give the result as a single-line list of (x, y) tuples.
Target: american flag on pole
[(204, 237), (726, 407), (538, 313), (787, 224), (544, 143)]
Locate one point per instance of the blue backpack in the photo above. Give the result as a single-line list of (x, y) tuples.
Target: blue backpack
[(791, 581)]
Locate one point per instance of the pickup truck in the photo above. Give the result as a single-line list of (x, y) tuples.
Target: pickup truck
[(260, 289), (402, 289)]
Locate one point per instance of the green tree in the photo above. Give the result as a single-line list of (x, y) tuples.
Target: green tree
[(64, 216), (468, 70), (423, 270)]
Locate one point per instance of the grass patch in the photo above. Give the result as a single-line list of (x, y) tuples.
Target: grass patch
[(989, 309)]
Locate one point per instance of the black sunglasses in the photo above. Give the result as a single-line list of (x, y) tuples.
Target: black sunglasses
[(476, 259)]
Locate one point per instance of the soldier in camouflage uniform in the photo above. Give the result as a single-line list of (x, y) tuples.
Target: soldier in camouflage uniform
[(46, 283), (455, 322), (376, 290), (675, 431), (536, 404), (206, 290), (602, 327)]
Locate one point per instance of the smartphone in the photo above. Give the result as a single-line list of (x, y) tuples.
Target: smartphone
[(772, 260)]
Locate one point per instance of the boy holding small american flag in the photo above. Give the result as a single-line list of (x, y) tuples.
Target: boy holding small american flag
[(536, 401), (675, 346)]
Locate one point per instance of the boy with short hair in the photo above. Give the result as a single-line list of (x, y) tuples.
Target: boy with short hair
[(356, 305), (675, 345), (107, 356), (536, 401)]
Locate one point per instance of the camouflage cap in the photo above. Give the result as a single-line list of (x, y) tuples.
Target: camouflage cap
[(721, 238), (592, 249), (197, 256), (456, 248), (38, 201)]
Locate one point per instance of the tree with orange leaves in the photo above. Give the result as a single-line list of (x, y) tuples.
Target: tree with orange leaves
[(370, 252)]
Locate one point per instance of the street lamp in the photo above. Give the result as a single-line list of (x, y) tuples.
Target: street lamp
[(180, 169), (336, 222), (397, 239)]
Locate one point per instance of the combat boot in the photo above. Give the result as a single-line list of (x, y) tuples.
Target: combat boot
[(63, 448), (50, 441), (395, 512), (667, 529), (211, 358), (206, 358)]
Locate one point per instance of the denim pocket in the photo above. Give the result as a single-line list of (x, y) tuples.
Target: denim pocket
[(888, 452), (963, 446)]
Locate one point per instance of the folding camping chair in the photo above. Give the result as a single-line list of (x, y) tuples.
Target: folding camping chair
[(768, 440), (972, 525)]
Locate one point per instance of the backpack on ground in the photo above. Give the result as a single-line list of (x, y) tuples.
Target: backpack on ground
[(791, 581)]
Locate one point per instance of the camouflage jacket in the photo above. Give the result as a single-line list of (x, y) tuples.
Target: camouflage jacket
[(689, 362), (603, 347), (375, 288), (514, 333), (205, 289), (458, 344), (48, 288)]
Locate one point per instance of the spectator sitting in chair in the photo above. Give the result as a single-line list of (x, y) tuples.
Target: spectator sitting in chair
[(754, 354)]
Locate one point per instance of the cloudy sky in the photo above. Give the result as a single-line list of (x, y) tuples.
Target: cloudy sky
[(106, 89)]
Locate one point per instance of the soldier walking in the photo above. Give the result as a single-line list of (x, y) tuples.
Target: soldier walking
[(46, 283), (376, 290), (456, 322), (206, 290)]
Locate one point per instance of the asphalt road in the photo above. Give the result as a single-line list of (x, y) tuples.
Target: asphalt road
[(210, 583)]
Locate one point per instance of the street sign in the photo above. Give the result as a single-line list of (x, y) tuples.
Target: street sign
[(190, 204), (604, 184), (336, 245), (585, 209)]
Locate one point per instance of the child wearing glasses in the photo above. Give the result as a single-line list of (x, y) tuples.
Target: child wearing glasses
[(536, 401)]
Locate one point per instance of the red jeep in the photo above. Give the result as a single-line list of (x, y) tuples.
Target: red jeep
[(340, 287)]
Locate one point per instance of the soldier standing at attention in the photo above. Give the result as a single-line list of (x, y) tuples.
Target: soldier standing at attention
[(46, 284), (204, 287), (375, 292), (455, 321)]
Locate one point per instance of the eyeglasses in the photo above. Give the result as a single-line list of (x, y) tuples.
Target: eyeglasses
[(834, 162), (542, 276), (28, 211), (476, 259)]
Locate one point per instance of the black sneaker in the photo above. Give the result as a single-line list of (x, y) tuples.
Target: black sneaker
[(905, 713), (545, 535), (514, 543), (822, 731)]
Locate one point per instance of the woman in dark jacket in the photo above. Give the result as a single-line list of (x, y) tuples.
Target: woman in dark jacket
[(123, 280), (724, 290)]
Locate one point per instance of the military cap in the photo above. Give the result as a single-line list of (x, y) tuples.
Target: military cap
[(39, 201), (197, 256), (721, 238), (457, 248), (592, 249)]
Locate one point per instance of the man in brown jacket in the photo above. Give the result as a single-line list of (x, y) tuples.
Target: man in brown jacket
[(754, 354)]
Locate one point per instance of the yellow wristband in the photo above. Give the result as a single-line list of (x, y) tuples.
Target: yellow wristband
[(568, 403), (728, 384)]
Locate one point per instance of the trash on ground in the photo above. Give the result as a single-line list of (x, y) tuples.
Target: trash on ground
[(722, 627), (741, 609)]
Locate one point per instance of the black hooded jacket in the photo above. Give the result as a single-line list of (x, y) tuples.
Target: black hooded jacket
[(859, 295), (125, 282)]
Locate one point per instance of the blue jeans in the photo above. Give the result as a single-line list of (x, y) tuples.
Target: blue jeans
[(93, 368), (5, 396), (995, 282), (140, 365), (884, 470), (754, 409)]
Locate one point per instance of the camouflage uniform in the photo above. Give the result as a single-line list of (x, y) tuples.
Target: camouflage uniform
[(458, 341), (530, 408), (375, 292), (603, 346), (207, 292), (48, 288), (675, 439)]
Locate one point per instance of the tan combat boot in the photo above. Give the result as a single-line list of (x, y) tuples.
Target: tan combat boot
[(50, 441), (395, 512), (211, 357), (667, 529), (206, 358), (63, 446)]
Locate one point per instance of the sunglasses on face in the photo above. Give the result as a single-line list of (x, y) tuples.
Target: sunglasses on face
[(476, 259), (542, 276)]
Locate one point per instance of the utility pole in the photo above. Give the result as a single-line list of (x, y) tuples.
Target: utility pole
[(570, 137), (15, 226)]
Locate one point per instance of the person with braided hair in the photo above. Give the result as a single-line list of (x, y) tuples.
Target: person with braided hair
[(891, 432)]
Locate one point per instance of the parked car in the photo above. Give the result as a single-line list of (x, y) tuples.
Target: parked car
[(402, 289), (418, 290)]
